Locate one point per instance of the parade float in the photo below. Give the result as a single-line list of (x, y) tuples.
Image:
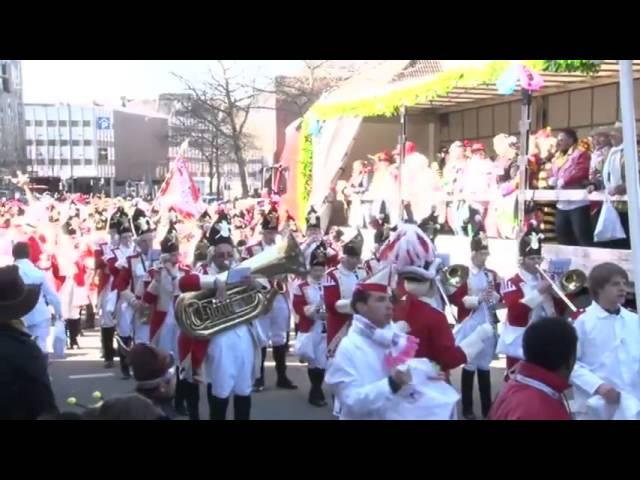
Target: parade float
[(474, 102)]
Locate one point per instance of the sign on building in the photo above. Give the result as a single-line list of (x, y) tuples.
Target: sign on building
[(103, 123)]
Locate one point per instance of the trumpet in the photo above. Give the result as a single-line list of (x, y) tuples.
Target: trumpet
[(570, 282)]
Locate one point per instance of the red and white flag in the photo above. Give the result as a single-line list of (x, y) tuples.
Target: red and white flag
[(179, 191)]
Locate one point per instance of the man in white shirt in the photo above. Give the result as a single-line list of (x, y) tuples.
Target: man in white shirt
[(359, 375), (606, 377), (38, 320)]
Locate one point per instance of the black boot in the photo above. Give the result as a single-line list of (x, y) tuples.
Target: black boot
[(467, 394), (241, 407), (217, 406), (484, 385), (179, 398), (280, 357), (192, 397), (124, 364), (258, 385), (316, 396)]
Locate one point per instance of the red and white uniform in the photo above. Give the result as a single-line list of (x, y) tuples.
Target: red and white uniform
[(339, 284), (231, 359), (102, 254), (117, 304), (73, 292), (312, 329), (161, 294), (472, 312), (273, 325), (524, 305), (371, 265)]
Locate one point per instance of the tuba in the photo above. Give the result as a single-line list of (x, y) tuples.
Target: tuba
[(202, 315)]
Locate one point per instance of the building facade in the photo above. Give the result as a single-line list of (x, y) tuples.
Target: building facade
[(12, 140), (93, 146)]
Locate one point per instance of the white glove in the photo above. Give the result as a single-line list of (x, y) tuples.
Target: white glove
[(473, 344)]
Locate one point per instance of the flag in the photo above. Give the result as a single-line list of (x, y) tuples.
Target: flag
[(179, 191)]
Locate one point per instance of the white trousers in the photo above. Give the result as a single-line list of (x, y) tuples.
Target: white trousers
[(230, 362), (274, 325), (40, 332)]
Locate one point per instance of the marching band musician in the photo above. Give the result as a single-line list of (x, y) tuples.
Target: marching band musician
[(475, 300), (73, 292), (308, 303), (339, 284), (232, 357), (314, 235), (103, 253), (134, 275), (605, 376), (527, 297), (382, 231), (116, 305), (274, 325)]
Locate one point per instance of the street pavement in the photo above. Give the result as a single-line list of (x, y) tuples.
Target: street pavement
[(82, 372)]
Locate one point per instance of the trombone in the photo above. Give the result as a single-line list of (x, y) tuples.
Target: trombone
[(570, 282)]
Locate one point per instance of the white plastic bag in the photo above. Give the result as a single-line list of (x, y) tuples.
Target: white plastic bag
[(59, 339), (609, 226), (303, 347)]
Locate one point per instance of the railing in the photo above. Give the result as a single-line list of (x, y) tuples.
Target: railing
[(534, 195)]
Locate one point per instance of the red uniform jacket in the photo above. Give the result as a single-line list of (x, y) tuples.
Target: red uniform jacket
[(35, 250), (334, 291), (102, 268), (521, 401), (456, 298), (299, 302), (518, 313), (192, 351), (430, 325)]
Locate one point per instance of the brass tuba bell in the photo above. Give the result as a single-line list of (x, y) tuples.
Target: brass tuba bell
[(202, 315)]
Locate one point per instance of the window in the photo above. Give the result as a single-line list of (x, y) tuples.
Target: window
[(75, 123), (64, 161), (75, 143), (51, 143), (77, 161), (29, 142), (87, 143), (51, 123), (39, 143), (40, 161), (27, 123), (64, 143), (103, 156), (86, 123), (88, 161), (62, 123), (39, 123)]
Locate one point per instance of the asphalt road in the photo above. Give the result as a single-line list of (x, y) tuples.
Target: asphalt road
[(82, 372)]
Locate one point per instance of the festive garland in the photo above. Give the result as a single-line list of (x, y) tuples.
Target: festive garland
[(437, 86), (305, 169)]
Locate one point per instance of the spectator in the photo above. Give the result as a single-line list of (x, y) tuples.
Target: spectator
[(452, 183), (542, 149), (25, 388), (153, 370), (536, 392), (479, 185), (358, 202), (38, 320), (611, 179), (506, 163), (602, 145), (570, 170)]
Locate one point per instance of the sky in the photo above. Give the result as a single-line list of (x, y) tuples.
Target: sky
[(105, 81)]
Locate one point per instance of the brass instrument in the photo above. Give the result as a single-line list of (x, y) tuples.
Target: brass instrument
[(455, 275), (570, 282), (279, 287), (202, 315)]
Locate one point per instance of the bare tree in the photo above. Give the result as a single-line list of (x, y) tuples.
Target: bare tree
[(220, 108), (298, 93)]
